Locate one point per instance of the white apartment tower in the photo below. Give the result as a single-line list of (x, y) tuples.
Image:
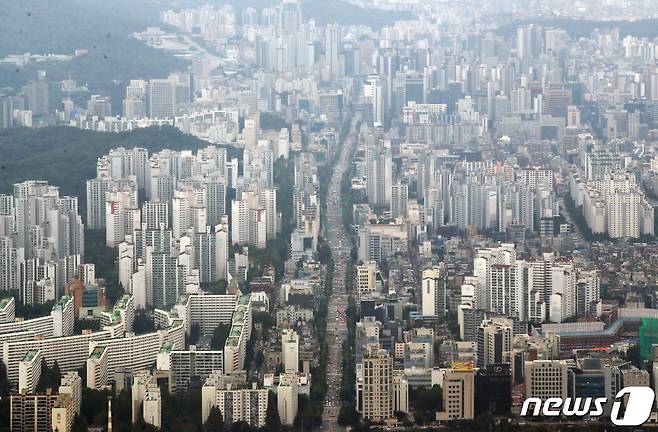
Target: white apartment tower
[(399, 200), (290, 351), (122, 215), (494, 341), (433, 293), (378, 173), (287, 395), (375, 392), (29, 371)]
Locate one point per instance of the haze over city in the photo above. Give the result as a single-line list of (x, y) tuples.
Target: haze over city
[(344, 215)]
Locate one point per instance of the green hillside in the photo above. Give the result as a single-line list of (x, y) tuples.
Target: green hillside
[(104, 28), (66, 157)]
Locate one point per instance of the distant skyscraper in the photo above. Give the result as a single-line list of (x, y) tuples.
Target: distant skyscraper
[(37, 97), (290, 351), (249, 17), (528, 41), (399, 200), (458, 394), (134, 108), (433, 297), (6, 112), (99, 106), (155, 214), (287, 395), (290, 17), (332, 39), (573, 116), (546, 379), (378, 174), (162, 98), (493, 390), (556, 101), (373, 92)]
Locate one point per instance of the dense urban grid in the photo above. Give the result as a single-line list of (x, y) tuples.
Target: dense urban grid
[(374, 214)]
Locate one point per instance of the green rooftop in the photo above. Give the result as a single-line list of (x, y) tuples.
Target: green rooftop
[(97, 352), (29, 356), (63, 300), (115, 317), (121, 302)]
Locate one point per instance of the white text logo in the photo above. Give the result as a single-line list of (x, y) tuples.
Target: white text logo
[(638, 406)]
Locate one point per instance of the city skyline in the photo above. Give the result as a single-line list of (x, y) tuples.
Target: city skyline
[(300, 215)]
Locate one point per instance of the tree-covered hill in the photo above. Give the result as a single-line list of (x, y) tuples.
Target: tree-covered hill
[(66, 157), (105, 28)]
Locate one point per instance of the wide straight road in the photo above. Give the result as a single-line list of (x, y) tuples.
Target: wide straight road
[(340, 245)]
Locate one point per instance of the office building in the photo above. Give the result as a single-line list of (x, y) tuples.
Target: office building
[(493, 390), (546, 379), (162, 98), (458, 385), (366, 279)]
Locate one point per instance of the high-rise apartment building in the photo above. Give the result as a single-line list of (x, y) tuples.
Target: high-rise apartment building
[(290, 351), (29, 371), (287, 394), (494, 342), (433, 292), (375, 385)]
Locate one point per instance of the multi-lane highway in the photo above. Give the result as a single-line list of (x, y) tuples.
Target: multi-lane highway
[(341, 246)]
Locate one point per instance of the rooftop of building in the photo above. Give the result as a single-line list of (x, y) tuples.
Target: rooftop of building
[(232, 341), (62, 301), (122, 301), (30, 355), (166, 347), (97, 352)]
